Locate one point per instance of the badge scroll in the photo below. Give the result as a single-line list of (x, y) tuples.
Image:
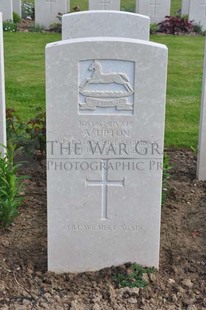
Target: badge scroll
[(105, 98)]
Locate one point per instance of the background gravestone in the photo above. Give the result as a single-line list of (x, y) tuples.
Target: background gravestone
[(201, 158), (6, 7), (46, 11), (108, 24), (2, 92), (104, 5), (105, 127), (185, 7), (155, 9), (197, 12), (17, 7)]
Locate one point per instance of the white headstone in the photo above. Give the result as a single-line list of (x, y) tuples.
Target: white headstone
[(17, 7), (155, 9), (197, 12), (201, 158), (105, 24), (185, 7), (2, 92), (6, 7), (104, 5), (105, 128), (46, 11)]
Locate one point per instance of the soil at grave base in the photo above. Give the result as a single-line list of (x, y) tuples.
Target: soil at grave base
[(179, 284)]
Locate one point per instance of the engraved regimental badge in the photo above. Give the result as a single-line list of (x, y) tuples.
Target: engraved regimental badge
[(106, 87)]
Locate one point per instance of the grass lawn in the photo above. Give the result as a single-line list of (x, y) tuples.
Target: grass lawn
[(24, 63), (184, 88), (25, 79), (126, 5), (24, 70)]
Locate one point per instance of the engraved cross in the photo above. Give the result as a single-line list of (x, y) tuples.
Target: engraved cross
[(105, 3), (203, 4), (105, 183), (154, 5), (50, 2)]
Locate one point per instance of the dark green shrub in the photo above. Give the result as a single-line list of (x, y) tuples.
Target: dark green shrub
[(56, 27), (11, 186), (197, 28), (133, 276), (8, 26), (28, 10), (31, 136), (153, 28), (16, 18), (16, 129), (36, 129)]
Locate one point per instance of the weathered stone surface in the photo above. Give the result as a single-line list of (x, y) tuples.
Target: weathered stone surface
[(2, 92), (105, 125), (197, 12), (155, 9), (185, 7), (104, 5), (46, 11), (17, 7), (105, 24), (6, 7), (201, 156)]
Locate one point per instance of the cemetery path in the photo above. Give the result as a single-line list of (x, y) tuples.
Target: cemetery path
[(179, 284)]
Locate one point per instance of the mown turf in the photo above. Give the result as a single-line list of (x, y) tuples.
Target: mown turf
[(25, 79), (127, 5), (184, 88), (24, 70)]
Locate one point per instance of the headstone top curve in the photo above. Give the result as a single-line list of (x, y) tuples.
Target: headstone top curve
[(91, 12), (106, 39)]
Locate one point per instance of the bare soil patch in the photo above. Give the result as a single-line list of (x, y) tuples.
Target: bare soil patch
[(179, 284)]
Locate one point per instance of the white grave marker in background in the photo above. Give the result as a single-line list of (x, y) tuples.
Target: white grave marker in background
[(105, 133), (197, 12), (6, 7), (46, 11), (185, 7), (17, 7), (104, 5), (201, 158), (155, 9), (2, 92), (105, 24)]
